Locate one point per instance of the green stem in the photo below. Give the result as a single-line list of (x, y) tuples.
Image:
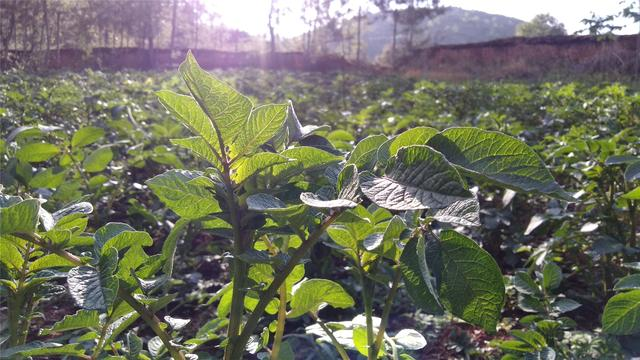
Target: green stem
[(334, 341), (266, 296), (394, 348), (240, 268), (632, 223), (387, 309), (79, 169), (367, 297), (154, 323), (19, 314), (282, 318), (103, 334), (14, 305), (282, 309), (37, 240)]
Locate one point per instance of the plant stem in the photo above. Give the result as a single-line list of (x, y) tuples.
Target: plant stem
[(240, 268), (20, 307), (394, 348), (632, 223), (37, 240), (387, 309), (367, 298), (282, 309), (152, 321), (282, 318), (83, 175), (281, 275), (334, 341), (103, 333)]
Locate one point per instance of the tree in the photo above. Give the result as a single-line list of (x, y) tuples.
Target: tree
[(174, 18), (541, 25), (274, 20), (410, 14), (318, 19)]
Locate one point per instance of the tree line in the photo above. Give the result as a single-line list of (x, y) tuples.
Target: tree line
[(331, 26)]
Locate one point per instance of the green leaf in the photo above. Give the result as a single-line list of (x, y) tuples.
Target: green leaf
[(420, 276), (564, 305), (392, 234), (264, 202), (86, 136), (629, 282), (49, 261), (420, 178), (472, 286), (185, 199), (198, 146), (515, 345), (71, 213), (347, 183), (620, 159), (462, 213), (525, 284), (316, 201), (190, 114), (37, 152), (364, 154), (20, 217), (415, 136), (530, 304), (499, 158), (47, 179), (227, 109), (41, 348), (360, 340), (224, 306), (410, 339), (533, 338), (546, 353), (95, 289), (633, 194), (170, 244), (10, 256), (130, 262), (134, 345), (551, 276), (98, 159), (120, 236), (176, 323), (248, 166), (156, 347), (263, 123), (632, 172), (622, 314), (307, 158), (311, 294), (82, 319)]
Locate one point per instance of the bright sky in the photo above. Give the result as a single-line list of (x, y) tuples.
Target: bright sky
[(252, 15)]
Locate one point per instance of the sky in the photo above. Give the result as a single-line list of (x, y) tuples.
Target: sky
[(251, 15)]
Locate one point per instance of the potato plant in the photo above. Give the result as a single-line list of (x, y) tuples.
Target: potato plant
[(275, 188)]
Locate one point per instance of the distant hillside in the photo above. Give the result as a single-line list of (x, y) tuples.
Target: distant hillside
[(455, 26)]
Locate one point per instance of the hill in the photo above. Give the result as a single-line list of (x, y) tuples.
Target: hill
[(455, 26)]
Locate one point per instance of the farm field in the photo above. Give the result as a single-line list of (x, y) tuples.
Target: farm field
[(126, 209)]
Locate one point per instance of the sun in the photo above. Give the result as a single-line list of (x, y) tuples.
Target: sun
[(252, 16)]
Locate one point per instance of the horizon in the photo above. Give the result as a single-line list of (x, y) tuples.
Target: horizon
[(568, 12)]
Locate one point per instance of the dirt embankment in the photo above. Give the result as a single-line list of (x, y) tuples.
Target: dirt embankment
[(145, 59), (515, 58), (529, 58)]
